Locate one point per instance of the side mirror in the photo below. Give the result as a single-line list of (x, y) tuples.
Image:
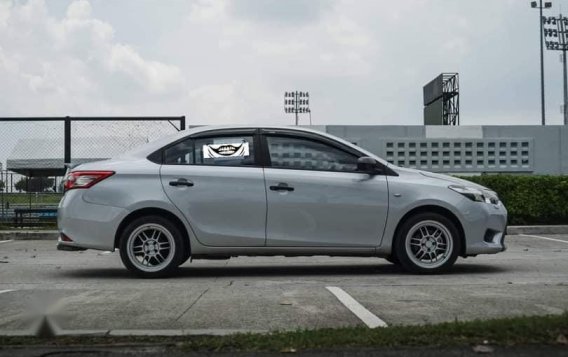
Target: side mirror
[(368, 165)]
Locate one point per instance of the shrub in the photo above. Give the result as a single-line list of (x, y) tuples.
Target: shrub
[(530, 199)]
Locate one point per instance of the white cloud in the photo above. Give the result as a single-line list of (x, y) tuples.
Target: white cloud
[(207, 11), (73, 65), (217, 102), (79, 10), (347, 32), (363, 61), (156, 77), (280, 13), (267, 48)]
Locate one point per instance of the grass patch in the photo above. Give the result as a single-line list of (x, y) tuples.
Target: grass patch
[(35, 198), (535, 330), (11, 201)]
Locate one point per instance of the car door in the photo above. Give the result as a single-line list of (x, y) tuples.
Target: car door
[(316, 197), (215, 181)]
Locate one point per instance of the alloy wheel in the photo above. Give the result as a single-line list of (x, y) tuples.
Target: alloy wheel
[(429, 244), (151, 247)]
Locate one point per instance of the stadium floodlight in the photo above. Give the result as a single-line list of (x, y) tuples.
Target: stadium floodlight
[(547, 4), (539, 5), (556, 39), (297, 103)]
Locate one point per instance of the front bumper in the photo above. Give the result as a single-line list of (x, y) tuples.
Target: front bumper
[(485, 227)]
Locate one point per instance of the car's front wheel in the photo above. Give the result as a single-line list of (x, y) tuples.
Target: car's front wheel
[(151, 247), (427, 243)]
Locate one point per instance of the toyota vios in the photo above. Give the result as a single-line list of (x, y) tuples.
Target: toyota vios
[(215, 193)]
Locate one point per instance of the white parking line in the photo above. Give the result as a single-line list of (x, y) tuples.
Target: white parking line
[(6, 241), (370, 319), (552, 239), (5, 291)]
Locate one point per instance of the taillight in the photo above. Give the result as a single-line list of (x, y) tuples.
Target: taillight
[(85, 179)]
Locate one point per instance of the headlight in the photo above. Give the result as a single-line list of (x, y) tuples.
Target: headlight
[(476, 194)]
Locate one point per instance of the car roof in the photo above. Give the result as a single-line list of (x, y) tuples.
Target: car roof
[(144, 150)]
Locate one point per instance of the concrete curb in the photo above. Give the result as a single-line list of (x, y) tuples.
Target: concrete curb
[(53, 235), (134, 333), (29, 235), (560, 229)]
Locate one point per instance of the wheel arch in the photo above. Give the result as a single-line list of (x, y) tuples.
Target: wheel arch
[(148, 212), (434, 209)]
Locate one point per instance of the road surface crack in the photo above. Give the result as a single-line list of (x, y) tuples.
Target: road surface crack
[(193, 303)]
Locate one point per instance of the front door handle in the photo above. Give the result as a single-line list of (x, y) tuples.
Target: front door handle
[(181, 182), (282, 187)]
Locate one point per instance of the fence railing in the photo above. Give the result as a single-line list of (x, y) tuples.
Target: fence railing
[(28, 209), (35, 152)]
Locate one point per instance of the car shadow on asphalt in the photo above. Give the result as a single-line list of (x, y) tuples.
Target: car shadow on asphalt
[(200, 271)]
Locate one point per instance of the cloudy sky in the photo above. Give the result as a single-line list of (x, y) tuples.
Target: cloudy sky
[(230, 61)]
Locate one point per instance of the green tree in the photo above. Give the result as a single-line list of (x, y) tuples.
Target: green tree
[(34, 184), (21, 185)]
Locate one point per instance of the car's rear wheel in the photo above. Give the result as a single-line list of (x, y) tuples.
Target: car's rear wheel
[(393, 259), (151, 247), (185, 258), (427, 243)]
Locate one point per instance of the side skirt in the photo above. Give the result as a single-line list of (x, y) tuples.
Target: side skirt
[(227, 252)]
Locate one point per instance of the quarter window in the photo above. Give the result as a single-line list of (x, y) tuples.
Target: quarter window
[(216, 151), (308, 155), (179, 154)]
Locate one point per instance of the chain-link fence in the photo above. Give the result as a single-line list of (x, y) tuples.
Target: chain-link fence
[(34, 154)]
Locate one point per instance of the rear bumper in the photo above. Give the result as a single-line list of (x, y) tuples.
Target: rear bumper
[(69, 247), (87, 225)]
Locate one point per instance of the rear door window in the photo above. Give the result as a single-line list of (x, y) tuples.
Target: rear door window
[(237, 150)]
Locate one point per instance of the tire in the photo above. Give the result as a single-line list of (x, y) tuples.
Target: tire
[(186, 256), (427, 243), (152, 247), (393, 259)]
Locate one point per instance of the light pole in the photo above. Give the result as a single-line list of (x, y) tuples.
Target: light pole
[(555, 33), (2, 217), (3, 183), (297, 103), (539, 6)]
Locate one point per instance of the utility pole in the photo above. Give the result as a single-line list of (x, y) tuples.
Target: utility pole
[(563, 36), (547, 5)]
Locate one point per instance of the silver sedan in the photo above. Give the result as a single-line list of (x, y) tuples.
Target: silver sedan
[(215, 193)]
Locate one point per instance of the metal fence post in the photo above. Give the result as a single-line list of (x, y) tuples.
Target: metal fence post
[(67, 143)]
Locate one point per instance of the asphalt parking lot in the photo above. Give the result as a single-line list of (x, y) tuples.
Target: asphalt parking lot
[(91, 292)]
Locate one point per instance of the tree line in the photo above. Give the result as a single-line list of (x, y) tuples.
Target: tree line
[(32, 184)]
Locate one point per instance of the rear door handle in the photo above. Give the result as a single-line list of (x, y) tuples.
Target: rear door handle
[(181, 182), (282, 187)]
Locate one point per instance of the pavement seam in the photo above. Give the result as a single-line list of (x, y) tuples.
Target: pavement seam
[(193, 303)]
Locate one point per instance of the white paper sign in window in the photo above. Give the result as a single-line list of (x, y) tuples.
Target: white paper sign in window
[(215, 151)]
